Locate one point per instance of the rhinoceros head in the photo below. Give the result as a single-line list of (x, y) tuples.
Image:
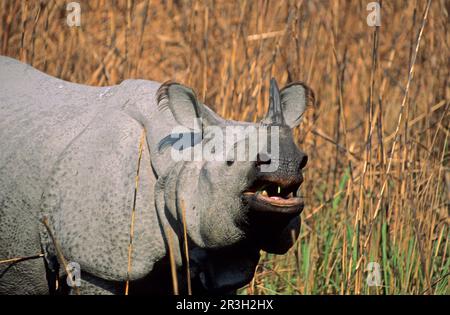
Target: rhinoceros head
[(236, 180)]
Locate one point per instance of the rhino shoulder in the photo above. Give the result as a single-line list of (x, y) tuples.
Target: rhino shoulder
[(90, 195)]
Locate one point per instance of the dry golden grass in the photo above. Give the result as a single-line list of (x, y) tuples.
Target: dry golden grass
[(368, 199)]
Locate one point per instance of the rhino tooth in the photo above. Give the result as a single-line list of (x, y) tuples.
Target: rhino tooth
[(264, 193), (291, 195), (279, 189)]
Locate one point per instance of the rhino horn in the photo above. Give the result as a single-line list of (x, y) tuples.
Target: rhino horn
[(275, 113)]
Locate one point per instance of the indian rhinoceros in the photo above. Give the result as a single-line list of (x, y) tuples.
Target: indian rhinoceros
[(96, 164)]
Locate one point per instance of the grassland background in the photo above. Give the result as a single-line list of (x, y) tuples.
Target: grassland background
[(371, 196)]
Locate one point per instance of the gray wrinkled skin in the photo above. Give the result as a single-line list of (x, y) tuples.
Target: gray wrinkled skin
[(69, 153)]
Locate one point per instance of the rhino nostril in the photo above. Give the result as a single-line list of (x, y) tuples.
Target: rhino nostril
[(303, 161), (262, 159)]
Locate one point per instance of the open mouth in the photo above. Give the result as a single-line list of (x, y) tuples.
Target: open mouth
[(270, 196)]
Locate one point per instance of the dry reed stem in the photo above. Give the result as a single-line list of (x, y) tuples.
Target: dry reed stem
[(133, 211), (173, 268), (186, 249), (59, 253), (16, 259)]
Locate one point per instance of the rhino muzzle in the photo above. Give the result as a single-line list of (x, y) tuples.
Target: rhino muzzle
[(277, 192)]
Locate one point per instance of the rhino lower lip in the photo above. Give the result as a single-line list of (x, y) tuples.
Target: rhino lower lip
[(275, 204), (280, 201)]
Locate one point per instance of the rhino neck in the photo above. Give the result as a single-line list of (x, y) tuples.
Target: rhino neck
[(209, 223)]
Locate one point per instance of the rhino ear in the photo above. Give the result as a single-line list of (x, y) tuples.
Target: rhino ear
[(183, 104), (295, 97)]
